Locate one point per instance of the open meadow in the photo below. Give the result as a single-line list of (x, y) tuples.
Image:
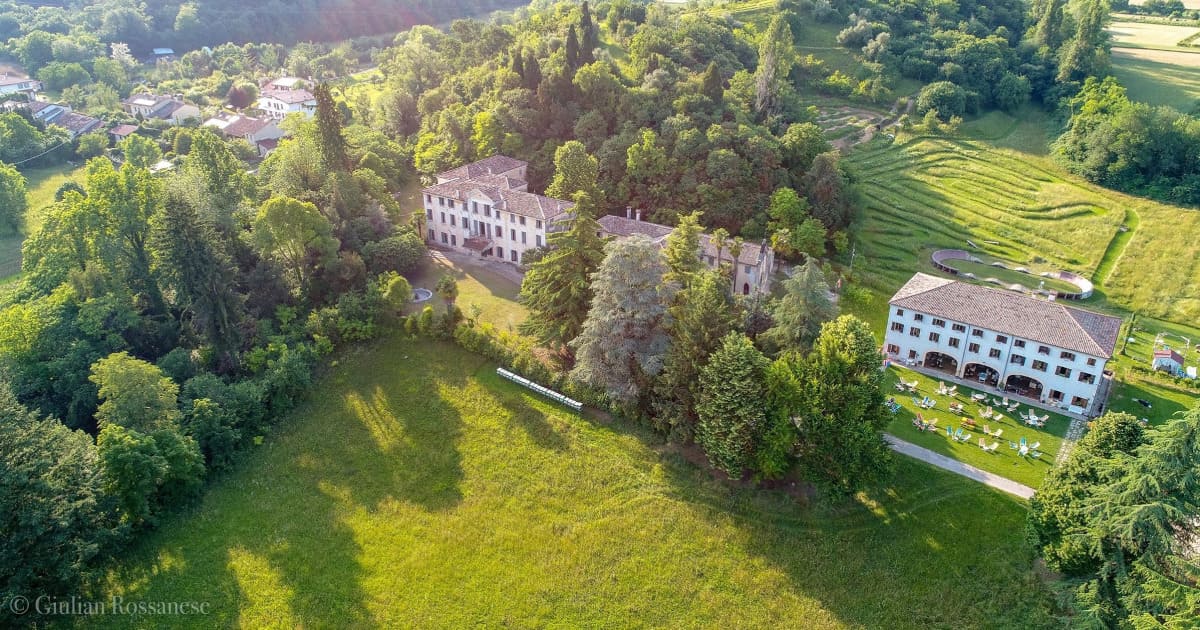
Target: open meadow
[(1149, 60), (40, 185), (415, 476)]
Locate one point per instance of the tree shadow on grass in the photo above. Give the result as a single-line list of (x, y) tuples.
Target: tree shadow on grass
[(926, 549), (288, 554)]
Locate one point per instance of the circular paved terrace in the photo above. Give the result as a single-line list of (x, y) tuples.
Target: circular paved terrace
[(943, 259)]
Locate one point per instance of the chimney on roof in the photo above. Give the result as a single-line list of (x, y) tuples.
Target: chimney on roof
[(638, 216)]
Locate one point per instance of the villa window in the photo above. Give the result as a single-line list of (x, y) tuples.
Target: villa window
[(900, 312), (958, 328), (1001, 339), (1019, 343), (428, 198), (442, 201), (513, 255), (893, 348), (940, 323), (1056, 395), (1043, 350), (953, 341), (443, 218), (912, 354), (1067, 356), (934, 337), (452, 223), (1039, 366), (429, 213), (1062, 371), (523, 238), (994, 353), (499, 231), (513, 235), (1091, 362), (453, 240), (538, 239), (522, 220), (748, 269), (487, 210), (444, 239), (1085, 377), (897, 327), (976, 333), (1018, 359), (538, 224), (914, 331), (1080, 401), (973, 348), (500, 253), (475, 207), (917, 317), (451, 204)]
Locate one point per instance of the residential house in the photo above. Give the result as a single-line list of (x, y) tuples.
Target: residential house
[(1019, 344), (163, 54), (77, 124), (752, 268), (258, 132), (155, 107), (41, 111), (121, 132), (485, 208), (13, 84), (288, 95)]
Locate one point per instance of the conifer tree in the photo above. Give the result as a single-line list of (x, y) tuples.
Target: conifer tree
[(557, 288), (682, 251), (624, 338), (703, 313), (572, 49), (574, 171), (329, 123), (804, 307), (589, 35), (732, 404)]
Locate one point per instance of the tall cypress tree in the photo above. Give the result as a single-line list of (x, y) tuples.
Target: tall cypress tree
[(329, 123), (589, 35), (533, 71), (557, 288), (572, 49)]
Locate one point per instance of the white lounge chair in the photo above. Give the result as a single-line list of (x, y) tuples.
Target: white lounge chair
[(1033, 447), (998, 432), (993, 447), (982, 444)]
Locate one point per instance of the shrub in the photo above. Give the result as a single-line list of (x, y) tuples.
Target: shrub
[(401, 253), (944, 97)]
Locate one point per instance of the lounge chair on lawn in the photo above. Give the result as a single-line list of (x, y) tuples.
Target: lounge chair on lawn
[(996, 402), (993, 447), (931, 425), (956, 408), (966, 437), (982, 444), (986, 413), (997, 417), (1013, 407), (1042, 420), (1033, 447), (998, 432), (941, 390), (1004, 402), (900, 386), (987, 429), (957, 434), (949, 432), (952, 390), (1035, 454), (1012, 445)]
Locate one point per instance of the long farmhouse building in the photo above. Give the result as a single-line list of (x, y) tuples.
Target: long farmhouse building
[(485, 208), (1021, 345)]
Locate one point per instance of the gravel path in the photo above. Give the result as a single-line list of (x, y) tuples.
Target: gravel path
[(957, 467)]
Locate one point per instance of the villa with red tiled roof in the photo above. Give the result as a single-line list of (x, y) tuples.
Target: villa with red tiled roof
[(1016, 343)]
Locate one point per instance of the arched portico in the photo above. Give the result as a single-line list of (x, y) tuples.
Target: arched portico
[(941, 362), (980, 373), (1022, 385)]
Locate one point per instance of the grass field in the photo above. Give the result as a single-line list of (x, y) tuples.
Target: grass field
[(1159, 77), (1005, 461), (1151, 36), (40, 184), (995, 186), (418, 489), (495, 294)]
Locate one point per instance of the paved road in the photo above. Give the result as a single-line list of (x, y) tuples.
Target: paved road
[(957, 467)]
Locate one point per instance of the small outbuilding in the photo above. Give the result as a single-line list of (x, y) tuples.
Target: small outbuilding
[(1168, 361)]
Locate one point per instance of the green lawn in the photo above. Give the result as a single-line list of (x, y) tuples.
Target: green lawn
[(994, 186), (1005, 461), (478, 285), (41, 184), (417, 489), (1159, 77)]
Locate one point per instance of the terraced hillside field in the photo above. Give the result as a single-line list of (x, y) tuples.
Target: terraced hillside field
[(929, 193), (1012, 202)]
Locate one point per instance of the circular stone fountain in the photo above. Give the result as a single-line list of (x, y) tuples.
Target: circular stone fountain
[(421, 295)]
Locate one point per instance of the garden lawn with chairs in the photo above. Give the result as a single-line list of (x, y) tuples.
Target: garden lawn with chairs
[(1004, 461), (416, 488)]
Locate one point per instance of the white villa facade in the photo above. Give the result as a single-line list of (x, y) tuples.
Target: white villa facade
[(288, 95), (752, 270), (12, 84), (485, 208), (1018, 344)]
